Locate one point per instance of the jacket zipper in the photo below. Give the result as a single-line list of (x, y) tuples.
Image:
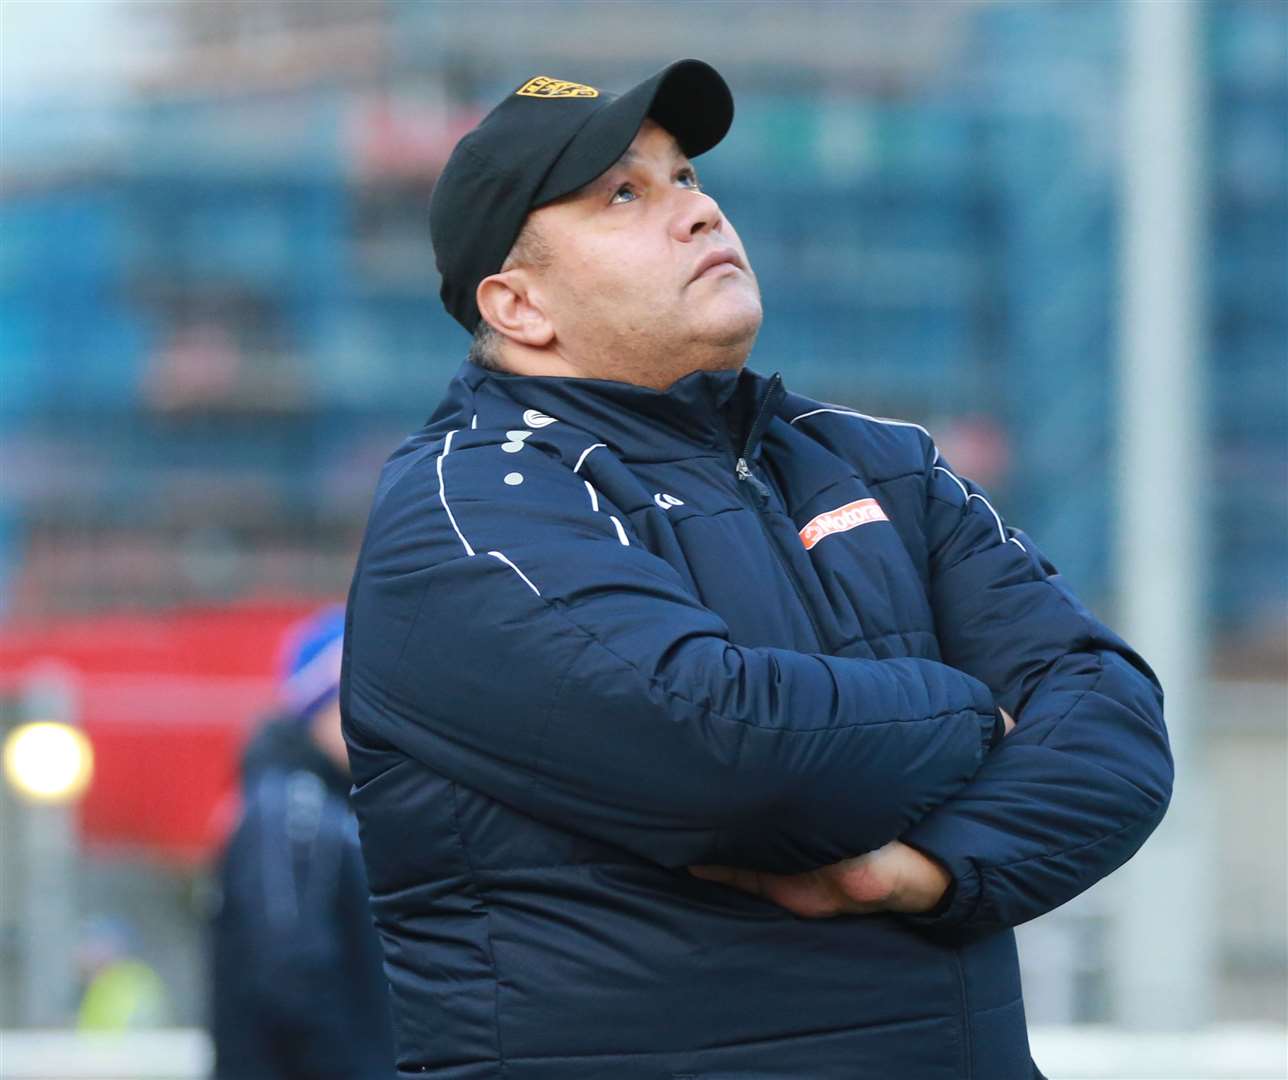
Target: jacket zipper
[(760, 496)]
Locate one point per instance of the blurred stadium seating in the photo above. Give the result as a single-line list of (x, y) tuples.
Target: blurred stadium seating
[(216, 320), (218, 309)]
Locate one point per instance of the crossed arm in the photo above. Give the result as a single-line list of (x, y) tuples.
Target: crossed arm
[(597, 695), (895, 878), (521, 649), (1072, 792)]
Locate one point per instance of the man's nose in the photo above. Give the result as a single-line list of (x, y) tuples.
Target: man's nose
[(698, 213)]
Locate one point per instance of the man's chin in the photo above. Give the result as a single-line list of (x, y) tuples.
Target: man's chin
[(734, 325)]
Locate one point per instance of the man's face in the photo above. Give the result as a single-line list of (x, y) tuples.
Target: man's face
[(629, 288)]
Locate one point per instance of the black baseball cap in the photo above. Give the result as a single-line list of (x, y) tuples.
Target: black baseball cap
[(545, 140)]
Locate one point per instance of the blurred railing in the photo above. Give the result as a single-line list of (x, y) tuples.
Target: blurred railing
[(1063, 1053)]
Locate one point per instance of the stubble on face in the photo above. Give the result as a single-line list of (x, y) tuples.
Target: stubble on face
[(619, 280)]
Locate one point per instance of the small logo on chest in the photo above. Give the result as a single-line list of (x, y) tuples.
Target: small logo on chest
[(842, 519)]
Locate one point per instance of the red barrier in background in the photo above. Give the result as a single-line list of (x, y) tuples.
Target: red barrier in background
[(167, 700)]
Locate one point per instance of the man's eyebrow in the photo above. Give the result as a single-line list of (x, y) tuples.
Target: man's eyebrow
[(630, 157)]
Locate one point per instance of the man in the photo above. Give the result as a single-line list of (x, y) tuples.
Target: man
[(298, 989), (677, 703)]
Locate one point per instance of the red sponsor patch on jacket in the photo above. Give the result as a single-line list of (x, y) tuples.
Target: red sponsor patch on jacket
[(842, 519)]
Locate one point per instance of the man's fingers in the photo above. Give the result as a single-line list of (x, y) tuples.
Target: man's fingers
[(722, 874), (893, 878), (808, 895), (747, 880), (798, 893)]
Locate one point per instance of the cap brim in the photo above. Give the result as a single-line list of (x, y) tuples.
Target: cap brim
[(688, 98)]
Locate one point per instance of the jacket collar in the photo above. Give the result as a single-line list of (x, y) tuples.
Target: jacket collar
[(703, 411)]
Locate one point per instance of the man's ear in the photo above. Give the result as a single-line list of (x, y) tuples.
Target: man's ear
[(508, 301)]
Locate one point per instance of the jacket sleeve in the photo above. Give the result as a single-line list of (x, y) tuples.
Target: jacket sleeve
[(519, 640), (1086, 775)]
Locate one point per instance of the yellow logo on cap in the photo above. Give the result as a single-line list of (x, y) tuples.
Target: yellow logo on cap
[(543, 86)]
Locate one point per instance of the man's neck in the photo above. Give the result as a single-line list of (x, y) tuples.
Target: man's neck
[(636, 371)]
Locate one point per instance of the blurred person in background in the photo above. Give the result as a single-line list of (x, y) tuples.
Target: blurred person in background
[(636, 632), (299, 993), (122, 991)]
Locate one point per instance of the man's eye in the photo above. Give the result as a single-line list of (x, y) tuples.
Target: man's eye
[(689, 179), (625, 189)]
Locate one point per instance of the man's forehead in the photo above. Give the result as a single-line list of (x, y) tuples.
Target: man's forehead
[(650, 128)]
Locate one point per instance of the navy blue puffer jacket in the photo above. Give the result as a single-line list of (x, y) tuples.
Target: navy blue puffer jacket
[(598, 633)]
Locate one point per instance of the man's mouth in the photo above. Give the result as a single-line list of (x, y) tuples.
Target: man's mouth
[(713, 260)]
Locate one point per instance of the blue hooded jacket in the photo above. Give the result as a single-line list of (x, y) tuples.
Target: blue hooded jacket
[(598, 633)]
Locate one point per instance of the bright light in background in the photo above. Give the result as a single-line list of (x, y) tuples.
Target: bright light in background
[(48, 762)]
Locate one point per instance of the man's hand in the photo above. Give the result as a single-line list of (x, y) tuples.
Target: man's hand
[(893, 878)]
